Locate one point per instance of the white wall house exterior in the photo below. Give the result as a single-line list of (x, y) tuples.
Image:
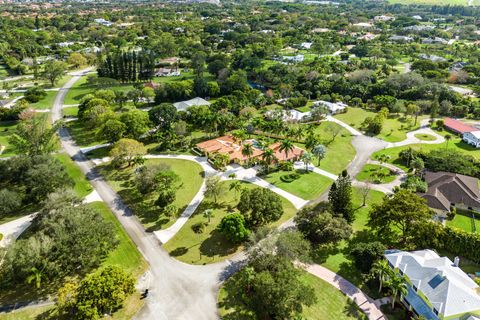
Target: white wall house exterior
[(333, 107), (472, 138), (437, 288)]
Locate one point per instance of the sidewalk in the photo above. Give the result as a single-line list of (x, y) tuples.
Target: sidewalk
[(364, 302)]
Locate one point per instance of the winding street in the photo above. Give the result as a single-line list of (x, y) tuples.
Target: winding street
[(177, 290)]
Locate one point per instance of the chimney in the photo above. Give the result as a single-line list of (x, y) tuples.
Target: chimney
[(456, 261)]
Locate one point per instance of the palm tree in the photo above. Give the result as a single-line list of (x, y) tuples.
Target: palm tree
[(319, 151), (448, 138), (236, 186), (247, 151), (398, 286), (239, 135), (286, 146), (36, 277), (307, 159), (268, 158), (382, 270), (208, 214)]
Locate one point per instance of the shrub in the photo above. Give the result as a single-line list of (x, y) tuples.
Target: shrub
[(198, 227), (290, 177), (365, 254), (233, 227), (451, 214)]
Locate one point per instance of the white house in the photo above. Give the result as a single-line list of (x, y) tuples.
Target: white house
[(434, 40), (437, 287), (103, 22), (297, 58), (333, 107), (472, 138), (401, 38), (384, 18), (288, 115), (306, 45), (184, 105), (363, 25), (167, 72)]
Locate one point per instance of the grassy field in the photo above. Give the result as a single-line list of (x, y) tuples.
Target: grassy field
[(395, 127), (464, 222), (82, 187), (70, 111), (211, 246), (340, 151), (455, 144), (6, 129), (31, 313), (84, 137), (191, 177), (330, 304), (375, 174), (308, 186), (45, 103)]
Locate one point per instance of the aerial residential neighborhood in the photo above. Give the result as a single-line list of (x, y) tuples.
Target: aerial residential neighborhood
[(247, 159)]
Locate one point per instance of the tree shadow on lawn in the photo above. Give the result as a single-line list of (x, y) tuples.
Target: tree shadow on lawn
[(217, 245), (232, 301), (351, 310)]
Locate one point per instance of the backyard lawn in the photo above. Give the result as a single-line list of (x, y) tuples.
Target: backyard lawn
[(122, 181), (395, 127), (464, 222), (211, 246), (307, 186), (340, 151), (6, 129), (330, 304), (376, 174)]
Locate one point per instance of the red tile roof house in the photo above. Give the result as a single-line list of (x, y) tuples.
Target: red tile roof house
[(458, 126), (229, 146)]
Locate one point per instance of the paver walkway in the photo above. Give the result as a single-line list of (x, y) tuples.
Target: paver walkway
[(363, 301)]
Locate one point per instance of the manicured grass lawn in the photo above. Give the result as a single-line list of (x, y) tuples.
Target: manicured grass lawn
[(81, 88), (361, 212), (464, 222), (425, 137), (375, 174), (45, 103), (211, 246), (70, 111), (330, 304), (455, 144), (30, 313), (83, 136), (122, 181), (7, 128), (340, 151), (308, 186), (395, 128), (82, 187)]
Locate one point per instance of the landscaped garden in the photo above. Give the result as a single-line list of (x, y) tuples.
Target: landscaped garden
[(330, 304), (306, 185), (465, 221), (425, 137), (199, 241), (190, 176), (376, 174)]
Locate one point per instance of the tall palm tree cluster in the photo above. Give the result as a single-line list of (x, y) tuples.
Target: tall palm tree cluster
[(390, 279)]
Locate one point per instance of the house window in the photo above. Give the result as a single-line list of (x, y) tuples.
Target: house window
[(435, 311), (470, 208), (415, 288), (401, 272)]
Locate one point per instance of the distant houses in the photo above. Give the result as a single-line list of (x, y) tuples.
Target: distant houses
[(434, 40), (184, 105), (103, 22), (436, 287), (294, 59), (167, 72), (400, 39), (332, 107)]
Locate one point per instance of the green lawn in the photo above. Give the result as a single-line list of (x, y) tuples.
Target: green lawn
[(81, 88), (6, 129), (455, 144), (464, 222), (30, 313), (331, 303), (211, 246), (432, 2), (375, 174), (82, 187), (70, 111), (340, 151), (425, 137), (395, 128), (191, 177), (361, 212), (83, 136), (45, 103), (308, 186)]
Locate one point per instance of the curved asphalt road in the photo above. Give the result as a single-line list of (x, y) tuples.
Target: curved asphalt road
[(177, 290)]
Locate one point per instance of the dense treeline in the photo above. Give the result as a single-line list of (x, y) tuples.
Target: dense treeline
[(128, 66)]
